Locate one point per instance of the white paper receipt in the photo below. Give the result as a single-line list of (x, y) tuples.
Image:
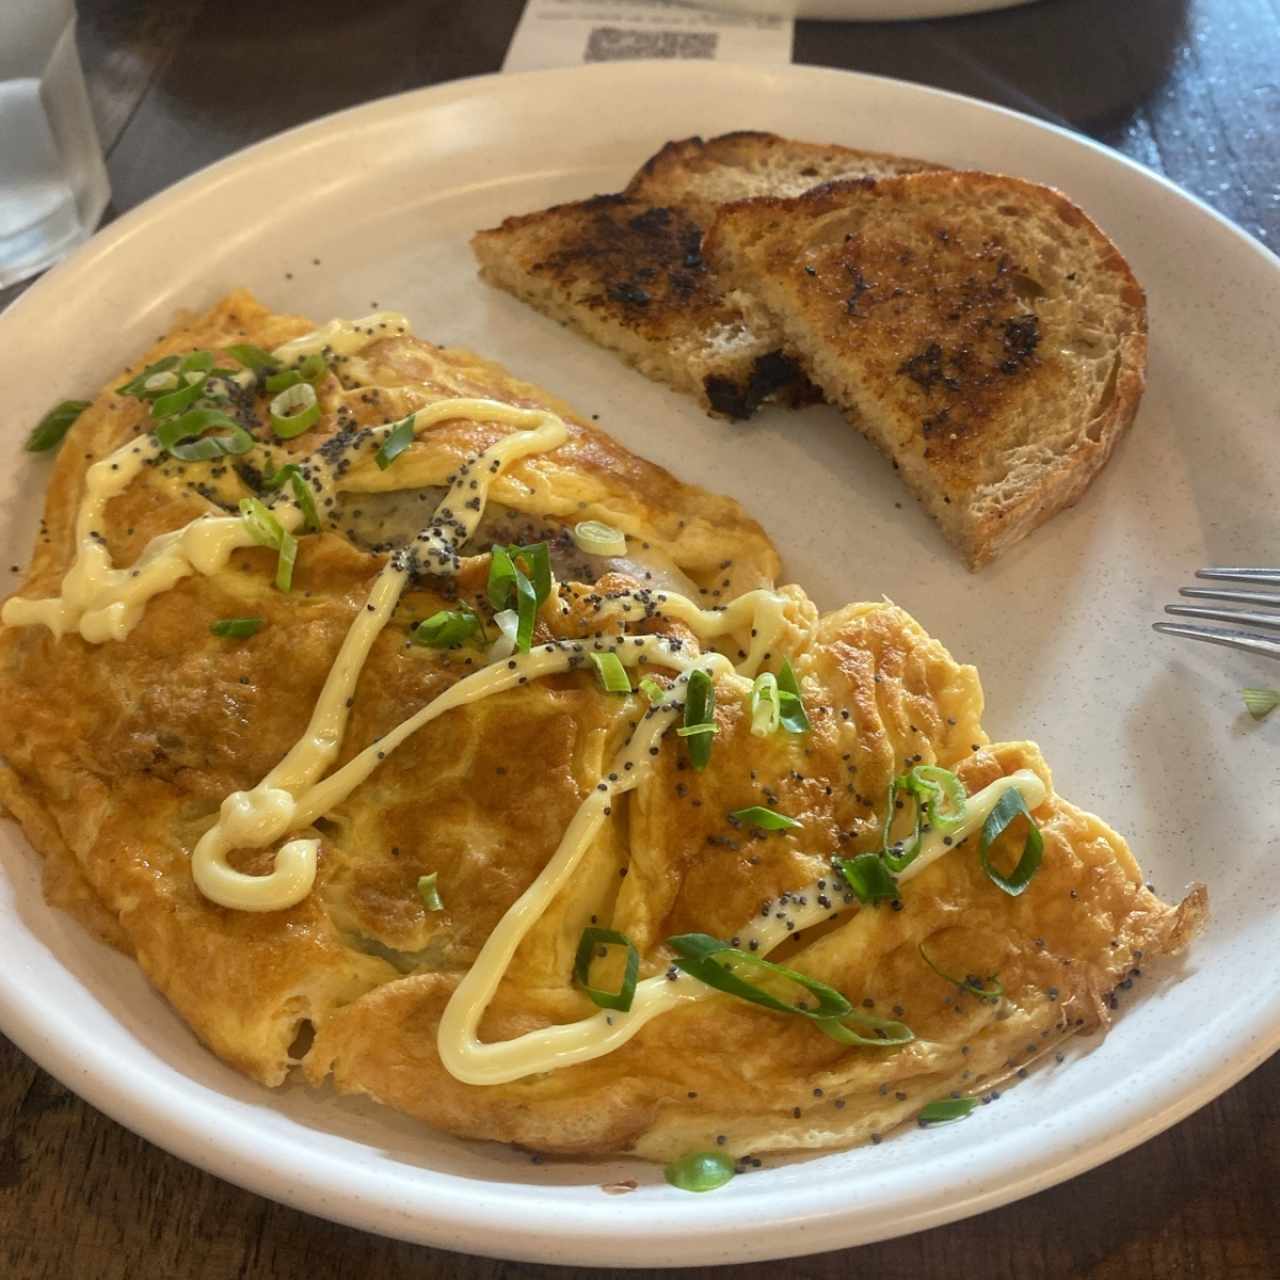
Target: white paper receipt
[(564, 33)]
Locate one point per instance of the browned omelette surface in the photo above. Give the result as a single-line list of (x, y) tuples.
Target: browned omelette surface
[(116, 756)]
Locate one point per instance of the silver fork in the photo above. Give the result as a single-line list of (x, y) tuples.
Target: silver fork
[(1232, 636)]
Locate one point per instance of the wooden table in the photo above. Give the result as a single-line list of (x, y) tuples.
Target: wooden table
[(1189, 87)]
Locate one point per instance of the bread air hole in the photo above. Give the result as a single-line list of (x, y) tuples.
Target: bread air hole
[(303, 1039)]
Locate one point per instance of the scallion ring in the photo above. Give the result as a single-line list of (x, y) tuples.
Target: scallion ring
[(1259, 703), (591, 942), (447, 629), (700, 1171), (196, 362), (253, 358), (534, 561), (294, 410), (398, 439), (613, 675), (184, 437), (292, 473), (945, 1110), (943, 793), (1008, 807), (791, 710), (766, 707), (282, 381), (653, 691), (48, 432), (159, 383), (166, 406), (869, 878), (766, 819), (237, 627), (991, 990), (887, 1033), (508, 623), (719, 965), (269, 532), (699, 713), (598, 539), (313, 367), (429, 892), (137, 386)]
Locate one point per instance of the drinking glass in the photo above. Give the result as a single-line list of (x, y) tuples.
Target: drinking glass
[(53, 182)]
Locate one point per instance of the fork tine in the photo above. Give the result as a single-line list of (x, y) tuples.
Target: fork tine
[(1260, 645), (1262, 599), (1267, 577), (1244, 617)]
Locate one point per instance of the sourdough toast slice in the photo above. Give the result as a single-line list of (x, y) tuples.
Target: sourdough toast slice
[(626, 270), (981, 330)]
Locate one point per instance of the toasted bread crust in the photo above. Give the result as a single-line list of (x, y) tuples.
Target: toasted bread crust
[(626, 270), (981, 330)]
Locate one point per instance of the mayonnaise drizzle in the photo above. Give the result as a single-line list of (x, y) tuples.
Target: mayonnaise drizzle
[(104, 603), (280, 802), (474, 1062), (344, 337)]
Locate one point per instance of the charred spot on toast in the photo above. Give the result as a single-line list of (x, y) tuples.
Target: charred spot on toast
[(944, 322), (771, 372), (641, 264)]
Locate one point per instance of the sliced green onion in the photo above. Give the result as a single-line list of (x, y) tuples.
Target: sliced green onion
[(48, 432), (766, 819), (137, 385), (899, 855), (766, 707), (613, 675), (313, 367), (526, 612), (718, 965), (285, 562), (653, 691), (869, 878), (294, 410), (508, 623), (791, 701), (447, 629), (282, 381), (991, 990), (176, 401), (699, 712), (597, 539), (945, 1110), (929, 788), (700, 1171), (502, 577), (184, 436), (197, 362), (591, 940), (301, 492), (534, 561), (1258, 702), (429, 893), (1009, 806), (269, 532), (939, 787), (399, 438), (253, 357), (237, 627), (887, 1033)]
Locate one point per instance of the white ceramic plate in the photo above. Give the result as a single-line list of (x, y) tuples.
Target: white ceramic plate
[(1146, 730), (866, 10)]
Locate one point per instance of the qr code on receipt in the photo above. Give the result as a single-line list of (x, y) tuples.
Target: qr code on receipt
[(617, 44)]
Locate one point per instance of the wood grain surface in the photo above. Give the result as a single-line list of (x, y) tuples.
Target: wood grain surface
[(1189, 87)]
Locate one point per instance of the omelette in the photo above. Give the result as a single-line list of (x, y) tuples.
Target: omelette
[(413, 735)]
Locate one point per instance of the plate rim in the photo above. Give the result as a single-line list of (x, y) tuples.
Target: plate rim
[(482, 1224)]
